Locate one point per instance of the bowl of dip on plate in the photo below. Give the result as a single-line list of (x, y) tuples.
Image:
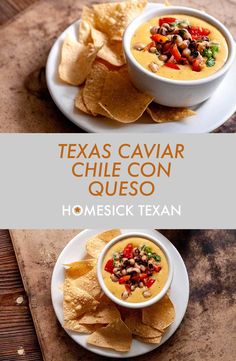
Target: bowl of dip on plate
[(178, 55), (135, 270)]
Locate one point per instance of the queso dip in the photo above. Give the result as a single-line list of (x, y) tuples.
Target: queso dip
[(135, 269), (179, 47)]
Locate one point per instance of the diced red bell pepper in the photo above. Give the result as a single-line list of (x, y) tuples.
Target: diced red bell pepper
[(175, 52), (128, 251), (142, 276), (150, 282), (197, 32), (124, 279), (157, 268), (128, 288), (166, 20), (109, 266), (172, 66), (196, 66), (149, 46), (158, 38)]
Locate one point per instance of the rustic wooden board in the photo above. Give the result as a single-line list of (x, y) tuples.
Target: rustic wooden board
[(18, 338), (208, 327), (25, 103)]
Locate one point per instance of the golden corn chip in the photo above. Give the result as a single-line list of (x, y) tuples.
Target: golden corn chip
[(160, 315), (94, 246), (105, 313), (76, 300), (134, 322), (162, 114), (79, 102), (113, 18), (110, 51), (89, 283), (93, 88), (74, 325), (109, 235), (76, 61), (116, 336), (88, 15), (155, 340), (122, 100), (78, 269), (84, 34)]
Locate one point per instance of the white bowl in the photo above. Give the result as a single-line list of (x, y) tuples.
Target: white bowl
[(175, 93), (153, 300)]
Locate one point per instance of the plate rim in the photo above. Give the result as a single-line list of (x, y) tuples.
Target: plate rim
[(104, 351)]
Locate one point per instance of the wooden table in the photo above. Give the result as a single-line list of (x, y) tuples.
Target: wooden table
[(18, 339)]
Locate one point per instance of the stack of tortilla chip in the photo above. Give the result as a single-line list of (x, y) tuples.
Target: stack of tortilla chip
[(87, 310), (96, 63)]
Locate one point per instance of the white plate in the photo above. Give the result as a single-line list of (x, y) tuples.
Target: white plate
[(210, 115), (179, 293)]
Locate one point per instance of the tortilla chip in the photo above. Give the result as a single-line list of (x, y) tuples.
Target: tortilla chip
[(96, 243), (110, 51), (74, 325), (160, 315), (84, 35), (113, 18), (162, 114), (155, 340), (122, 100), (107, 236), (134, 322), (93, 89), (76, 301), (89, 283), (79, 102), (78, 269), (104, 314), (88, 15), (94, 246), (76, 61), (116, 336)]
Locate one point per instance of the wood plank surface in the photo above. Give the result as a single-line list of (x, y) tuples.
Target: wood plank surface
[(25, 102), (207, 331), (18, 340), (10, 8)]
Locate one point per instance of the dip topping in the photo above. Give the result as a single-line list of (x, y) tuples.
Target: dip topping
[(176, 42), (134, 267)]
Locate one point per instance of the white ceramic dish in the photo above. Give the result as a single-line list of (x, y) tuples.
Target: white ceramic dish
[(179, 292), (156, 240), (169, 92), (210, 114)]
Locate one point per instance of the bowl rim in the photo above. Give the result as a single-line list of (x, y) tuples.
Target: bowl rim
[(153, 300), (147, 15)]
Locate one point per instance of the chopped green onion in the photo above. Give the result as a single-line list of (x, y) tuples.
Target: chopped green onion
[(156, 257), (208, 53), (147, 249), (183, 23), (215, 46), (210, 62), (214, 50)]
